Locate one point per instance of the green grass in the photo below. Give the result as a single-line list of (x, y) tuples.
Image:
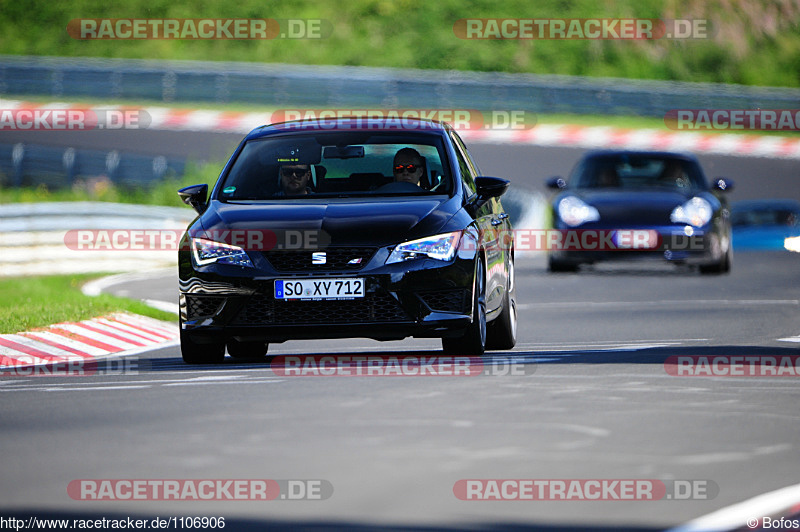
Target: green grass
[(751, 42), (161, 193), (31, 302)]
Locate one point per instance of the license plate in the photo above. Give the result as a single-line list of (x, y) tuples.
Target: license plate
[(635, 239), (347, 288)]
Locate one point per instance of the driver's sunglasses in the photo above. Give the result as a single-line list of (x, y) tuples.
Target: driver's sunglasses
[(410, 168), (297, 172)]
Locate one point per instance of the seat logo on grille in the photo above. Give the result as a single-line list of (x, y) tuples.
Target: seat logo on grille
[(319, 257)]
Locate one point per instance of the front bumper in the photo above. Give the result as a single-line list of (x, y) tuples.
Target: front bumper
[(422, 297), (674, 244)]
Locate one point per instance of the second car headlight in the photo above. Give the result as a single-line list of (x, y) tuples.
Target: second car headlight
[(208, 251), (574, 211), (440, 247), (696, 212)]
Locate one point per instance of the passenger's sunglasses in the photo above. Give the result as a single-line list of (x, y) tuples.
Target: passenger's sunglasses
[(410, 168), (297, 172)]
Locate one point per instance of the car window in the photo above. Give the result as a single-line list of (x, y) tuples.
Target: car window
[(468, 170), (637, 171), (339, 164)]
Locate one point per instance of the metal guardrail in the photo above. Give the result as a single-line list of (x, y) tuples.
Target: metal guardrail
[(295, 86), (31, 164), (343, 86)]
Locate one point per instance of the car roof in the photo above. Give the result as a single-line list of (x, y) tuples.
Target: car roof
[(352, 124), (640, 153)]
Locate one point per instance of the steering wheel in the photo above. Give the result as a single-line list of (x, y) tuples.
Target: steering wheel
[(400, 186)]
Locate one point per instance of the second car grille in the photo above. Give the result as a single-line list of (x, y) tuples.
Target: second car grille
[(375, 307), (346, 258)]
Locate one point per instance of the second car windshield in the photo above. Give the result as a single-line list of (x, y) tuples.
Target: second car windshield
[(337, 164), (637, 172)]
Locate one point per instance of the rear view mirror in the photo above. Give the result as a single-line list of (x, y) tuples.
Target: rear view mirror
[(343, 152)]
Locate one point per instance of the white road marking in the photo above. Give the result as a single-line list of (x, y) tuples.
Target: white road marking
[(737, 515), (688, 303)]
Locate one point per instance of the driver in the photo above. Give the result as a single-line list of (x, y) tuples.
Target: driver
[(294, 180), (408, 166)]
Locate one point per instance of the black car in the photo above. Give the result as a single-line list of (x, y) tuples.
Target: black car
[(313, 230), (629, 205)]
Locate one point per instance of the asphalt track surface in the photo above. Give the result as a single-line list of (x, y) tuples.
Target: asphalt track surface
[(595, 401)]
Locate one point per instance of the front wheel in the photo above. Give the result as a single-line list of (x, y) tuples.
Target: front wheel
[(199, 353), (502, 332), (723, 266), (473, 341)]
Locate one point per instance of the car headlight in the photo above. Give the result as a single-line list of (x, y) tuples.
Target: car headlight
[(439, 247), (696, 212), (207, 251), (574, 211)]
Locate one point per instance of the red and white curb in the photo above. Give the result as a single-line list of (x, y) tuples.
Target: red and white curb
[(85, 341), (769, 146)]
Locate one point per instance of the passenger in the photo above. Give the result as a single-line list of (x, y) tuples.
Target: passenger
[(408, 166), (294, 180)]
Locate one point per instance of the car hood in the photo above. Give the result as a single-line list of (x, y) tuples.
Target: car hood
[(339, 222), (642, 206)]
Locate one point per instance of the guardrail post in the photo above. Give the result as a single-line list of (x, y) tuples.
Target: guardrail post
[(69, 165), (17, 156), (159, 167), (112, 164)]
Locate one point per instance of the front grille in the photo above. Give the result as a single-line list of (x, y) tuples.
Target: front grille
[(266, 310), (202, 306), (345, 258), (446, 300)]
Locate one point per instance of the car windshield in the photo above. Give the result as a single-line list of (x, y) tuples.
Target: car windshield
[(637, 171), (334, 164)]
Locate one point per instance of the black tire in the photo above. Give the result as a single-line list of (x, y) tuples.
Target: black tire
[(473, 342), (501, 333), (247, 350), (557, 266), (199, 353), (723, 266)]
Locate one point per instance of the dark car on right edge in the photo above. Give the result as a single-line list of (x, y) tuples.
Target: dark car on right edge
[(664, 194)]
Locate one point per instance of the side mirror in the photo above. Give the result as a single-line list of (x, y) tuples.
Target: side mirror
[(195, 196), (723, 184), (488, 188), (557, 183), (491, 187)]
